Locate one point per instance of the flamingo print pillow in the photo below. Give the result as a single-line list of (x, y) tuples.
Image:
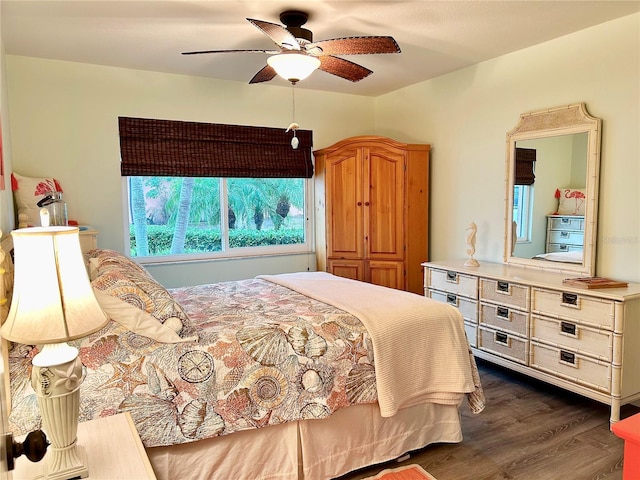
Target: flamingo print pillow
[(28, 191), (571, 201)]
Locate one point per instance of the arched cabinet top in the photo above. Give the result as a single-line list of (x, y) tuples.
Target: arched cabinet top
[(369, 140)]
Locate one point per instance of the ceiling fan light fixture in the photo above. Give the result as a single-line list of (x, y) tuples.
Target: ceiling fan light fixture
[(293, 66), (298, 55)]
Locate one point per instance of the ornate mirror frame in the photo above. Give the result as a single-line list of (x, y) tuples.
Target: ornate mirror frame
[(566, 120)]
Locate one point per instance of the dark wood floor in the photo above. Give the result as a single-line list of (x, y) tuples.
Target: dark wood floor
[(528, 431)]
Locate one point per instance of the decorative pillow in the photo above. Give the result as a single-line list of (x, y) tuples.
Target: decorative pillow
[(103, 259), (571, 201), (28, 191), (139, 321), (130, 296)]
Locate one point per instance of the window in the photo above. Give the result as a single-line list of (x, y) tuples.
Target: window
[(524, 178), (211, 190), (171, 216), (522, 202)]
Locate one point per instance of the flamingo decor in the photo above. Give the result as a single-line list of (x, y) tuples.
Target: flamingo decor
[(569, 193)]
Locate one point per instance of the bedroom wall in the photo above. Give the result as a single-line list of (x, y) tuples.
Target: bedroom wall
[(6, 198), (466, 115), (64, 124)]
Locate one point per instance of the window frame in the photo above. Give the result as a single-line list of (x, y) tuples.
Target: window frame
[(308, 247), (525, 211)]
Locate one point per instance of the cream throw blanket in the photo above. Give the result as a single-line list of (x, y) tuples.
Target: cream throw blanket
[(421, 353)]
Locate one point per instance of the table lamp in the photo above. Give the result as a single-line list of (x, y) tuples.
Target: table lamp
[(52, 303)]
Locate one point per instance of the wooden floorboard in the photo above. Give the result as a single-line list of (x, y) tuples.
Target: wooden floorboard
[(529, 430)]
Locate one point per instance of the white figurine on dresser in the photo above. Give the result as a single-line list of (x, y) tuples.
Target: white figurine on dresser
[(471, 245)]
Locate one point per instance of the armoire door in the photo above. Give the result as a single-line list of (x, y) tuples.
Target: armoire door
[(386, 273), (384, 203), (353, 269), (345, 235)]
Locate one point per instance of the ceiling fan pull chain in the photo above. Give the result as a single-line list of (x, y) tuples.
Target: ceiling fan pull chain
[(293, 102), (293, 125)]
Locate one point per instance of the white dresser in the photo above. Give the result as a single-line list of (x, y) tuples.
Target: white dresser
[(565, 233), (586, 341)]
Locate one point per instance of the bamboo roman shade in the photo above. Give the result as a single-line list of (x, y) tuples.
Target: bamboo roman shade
[(525, 166), (171, 148)]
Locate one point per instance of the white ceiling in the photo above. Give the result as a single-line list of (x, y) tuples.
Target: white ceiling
[(436, 37)]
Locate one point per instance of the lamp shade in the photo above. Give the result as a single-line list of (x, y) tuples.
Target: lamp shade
[(293, 66), (53, 300)]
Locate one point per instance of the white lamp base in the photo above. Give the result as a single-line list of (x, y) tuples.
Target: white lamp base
[(81, 472), (57, 387)]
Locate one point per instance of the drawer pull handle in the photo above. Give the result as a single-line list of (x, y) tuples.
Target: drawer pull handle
[(452, 299), (565, 220), (502, 338), (503, 287), (568, 328), (564, 234), (452, 277), (502, 312), (567, 357), (563, 248), (570, 299)]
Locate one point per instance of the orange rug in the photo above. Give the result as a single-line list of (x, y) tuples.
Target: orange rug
[(409, 472)]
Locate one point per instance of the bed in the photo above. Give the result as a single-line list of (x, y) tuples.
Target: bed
[(266, 378), (564, 257)]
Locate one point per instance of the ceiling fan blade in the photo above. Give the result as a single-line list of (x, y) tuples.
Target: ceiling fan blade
[(356, 45), (343, 68), (268, 52), (277, 33), (267, 73)]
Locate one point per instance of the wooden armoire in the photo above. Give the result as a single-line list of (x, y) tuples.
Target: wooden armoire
[(373, 195)]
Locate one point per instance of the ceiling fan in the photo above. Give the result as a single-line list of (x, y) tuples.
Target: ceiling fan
[(298, 51)]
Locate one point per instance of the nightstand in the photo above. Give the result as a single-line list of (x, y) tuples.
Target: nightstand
[(88, 238), (113, 450)]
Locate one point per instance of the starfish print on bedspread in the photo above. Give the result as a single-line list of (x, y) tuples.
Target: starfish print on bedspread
[(126, 376), (354, 349)]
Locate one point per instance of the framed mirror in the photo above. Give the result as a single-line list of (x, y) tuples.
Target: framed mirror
[(552, 177)]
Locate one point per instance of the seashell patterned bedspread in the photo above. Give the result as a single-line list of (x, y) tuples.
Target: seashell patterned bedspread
[(265, 355)]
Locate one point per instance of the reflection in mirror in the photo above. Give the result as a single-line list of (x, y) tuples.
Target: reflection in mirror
[(551, 208), (559, 166)]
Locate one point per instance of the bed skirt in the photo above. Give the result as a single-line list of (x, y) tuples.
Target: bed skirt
[(350, 439)]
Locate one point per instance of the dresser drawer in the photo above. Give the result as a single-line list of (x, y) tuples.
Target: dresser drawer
[(573, 336), (566, 237), (505, 293), (572, 366), (566, 223), (468, 308), (453, 282), (504, 318), (503, 344), (571, 306), (559, 247), (471, 329)]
